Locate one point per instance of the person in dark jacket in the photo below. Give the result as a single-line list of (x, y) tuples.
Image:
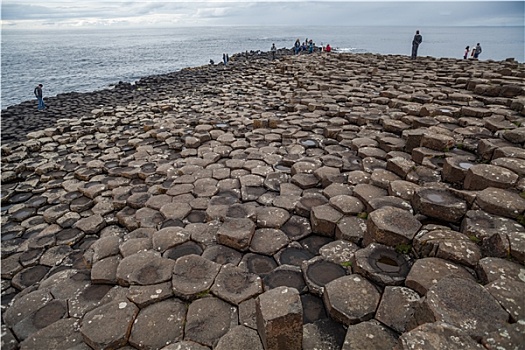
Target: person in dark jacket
[(418, 39), (477, 50), (39, 97)]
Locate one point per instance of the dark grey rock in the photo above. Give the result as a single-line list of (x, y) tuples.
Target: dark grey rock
[(193, 275), (240, 338), (369, 335)]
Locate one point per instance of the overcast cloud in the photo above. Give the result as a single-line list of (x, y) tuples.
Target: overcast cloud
[(119, 13)]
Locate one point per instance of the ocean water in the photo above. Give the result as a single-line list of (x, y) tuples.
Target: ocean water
[(84, 60)]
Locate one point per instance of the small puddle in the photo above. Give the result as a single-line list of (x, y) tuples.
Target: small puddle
[(308, 143), (465, 165), (387, 265), (436, 198), (222, 125), (282, 168), (322, 272), (187, 248)]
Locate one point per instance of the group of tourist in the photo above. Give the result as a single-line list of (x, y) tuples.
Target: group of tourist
[(309, 46), (475, 52), (418, 39)]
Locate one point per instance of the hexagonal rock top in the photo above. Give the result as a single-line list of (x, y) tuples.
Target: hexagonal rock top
[(481, 176), (391, 226), (208, 319), (439, 204), (501, 202), (465, 304), (144, 268), (438, 335), (381, 264), (279, 315), (158, 325), (369, 335), (236, 233), (448, 245), (236, 285), (351, 299), (240, 338), (109, 325), (193, 275)]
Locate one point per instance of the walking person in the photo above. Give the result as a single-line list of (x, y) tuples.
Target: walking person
[(467, 50), (274, 50), (40, 97), (418, 39), (477, 51)]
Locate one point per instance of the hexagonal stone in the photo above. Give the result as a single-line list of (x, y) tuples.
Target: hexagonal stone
[(323, 334), (25, 305), (347, 205), (448, 245), (109, 325), (501, 202), (193, 275), (381, 264), (309, 201), (400, 166), (369, 335), (105, 247), (61, 335), (440, 204), (158, 325), (324, 218), (90, 297), (236, 233), (280, 319), (510, 295), (271, 217), (339, 252), (491, 269), (240, 338), (105, 270), (222, 255), (438, 335), (390, 226), (91, 225), (366, 192), (351, 299), (236, 285), (397, 306), (455, 168), (208, 319), (175, 210), (351, 228), (481, 176), (268, 241), (297, 227), (438, 142), (508, 337), (305, 181), (143, 296), (169, 237), (465, 304), (43, 317), (206, 187), (317, 273), (29, 276), (144, 268), (402, 189), (428, 271)]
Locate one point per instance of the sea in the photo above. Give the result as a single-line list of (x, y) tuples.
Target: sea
[(83, 60)]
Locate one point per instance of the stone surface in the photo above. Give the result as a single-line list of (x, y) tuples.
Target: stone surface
[(397, 307), (369, 335), (236, 285), (193, 275), (240, 338), (236, 233), (390, 226), (439, 335), (280, 319)]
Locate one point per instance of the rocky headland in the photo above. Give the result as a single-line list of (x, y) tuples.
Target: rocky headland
[(323, 201)]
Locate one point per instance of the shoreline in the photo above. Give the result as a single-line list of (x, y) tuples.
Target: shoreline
[(374, 200)]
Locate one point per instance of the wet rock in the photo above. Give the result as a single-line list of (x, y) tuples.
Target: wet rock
[(208, 319), (369, 335), (240, 338), (439, 204), (109, 325), (390, 226), (427, 272), (381, 264), (317, 273), (455, 168), (397, 307), (158, 325), (280, 319), (363, 295), (438, 335)]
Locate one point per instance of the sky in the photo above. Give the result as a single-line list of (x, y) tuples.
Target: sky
[(70, 14)]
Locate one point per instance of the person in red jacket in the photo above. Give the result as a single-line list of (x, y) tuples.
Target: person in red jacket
[(328, 48)]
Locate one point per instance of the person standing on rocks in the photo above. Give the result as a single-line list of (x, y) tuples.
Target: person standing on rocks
[(40, 97), (477, 51), (418, 39), (274, 50), (467, 50)]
